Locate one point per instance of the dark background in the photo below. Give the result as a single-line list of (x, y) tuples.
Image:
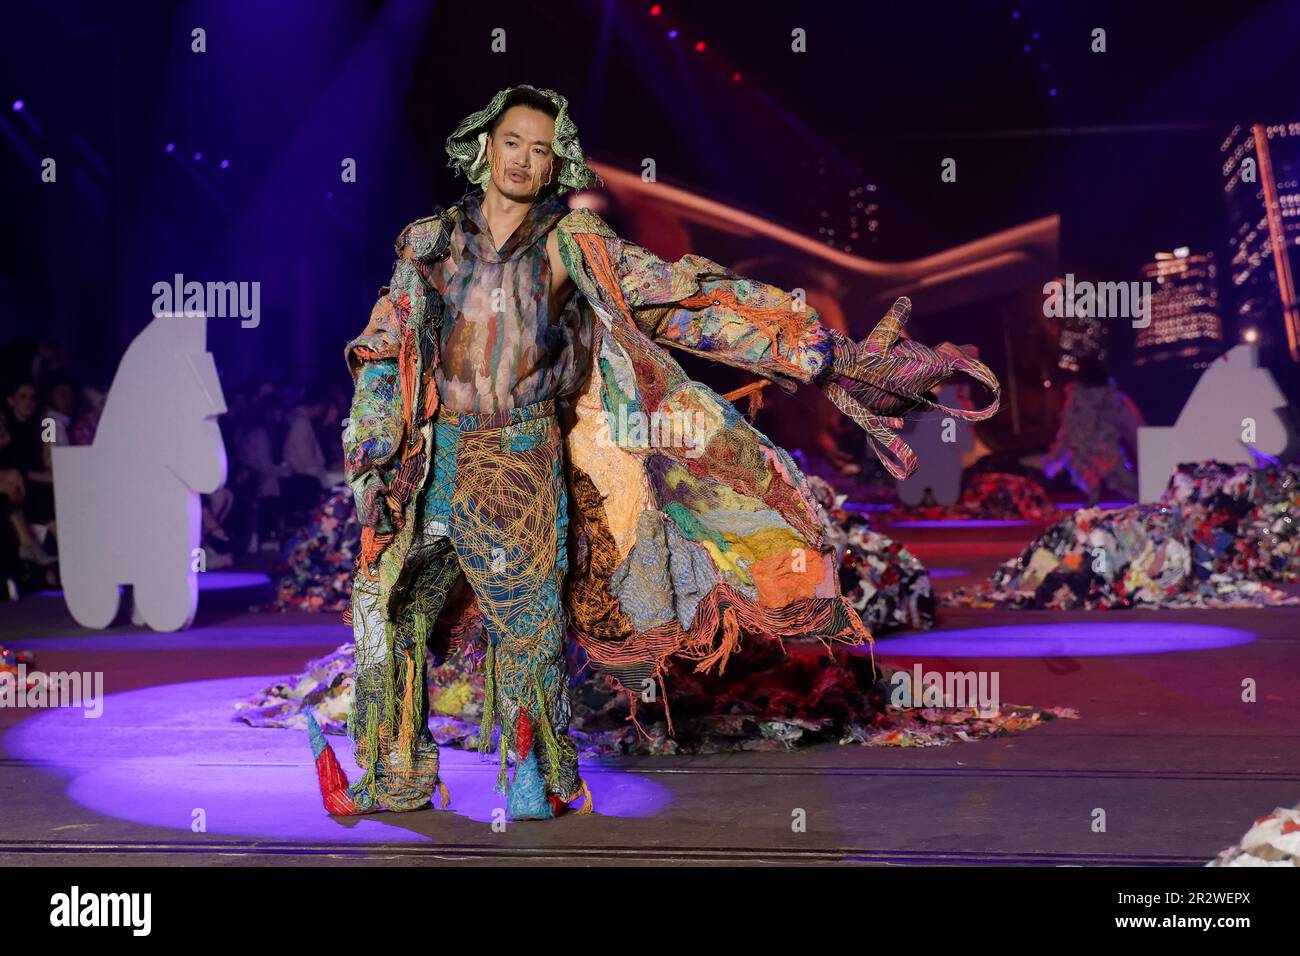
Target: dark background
[(1126, 151)]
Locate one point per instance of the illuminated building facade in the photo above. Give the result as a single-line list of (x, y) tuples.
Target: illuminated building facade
[(1080, 337), (1185, 323), (1261, 170)]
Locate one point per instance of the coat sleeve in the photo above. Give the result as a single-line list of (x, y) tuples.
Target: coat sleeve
[(372, 435), (372, 438), (699, 306)]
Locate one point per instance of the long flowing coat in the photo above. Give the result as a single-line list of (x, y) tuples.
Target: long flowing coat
[(689, 527)]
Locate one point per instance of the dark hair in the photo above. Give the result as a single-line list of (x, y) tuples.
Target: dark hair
[(1092, 371), (529, 98)]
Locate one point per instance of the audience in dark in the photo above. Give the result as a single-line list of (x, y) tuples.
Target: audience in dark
[(280, 464)]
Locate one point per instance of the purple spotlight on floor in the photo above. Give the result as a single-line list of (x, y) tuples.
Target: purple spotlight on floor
[(170, 148), (1092, 639), (228, 580), (18, 106), (225, 164), (672, 34), (156, 754), (198, 157)]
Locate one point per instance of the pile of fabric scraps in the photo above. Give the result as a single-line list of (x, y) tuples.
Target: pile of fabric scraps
[(1246, 520), (933, 727), (883, 581), (1274, 840), (1218, 534), (11, 660), (314, 572), (988, 496), (768, 699)]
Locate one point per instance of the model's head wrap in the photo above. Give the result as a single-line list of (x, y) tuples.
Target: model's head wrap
[(467, 147)]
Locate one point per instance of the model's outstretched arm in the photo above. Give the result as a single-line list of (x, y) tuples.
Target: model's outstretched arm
[(697, 305)]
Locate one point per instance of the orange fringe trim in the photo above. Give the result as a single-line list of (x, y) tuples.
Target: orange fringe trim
[(808, 617)]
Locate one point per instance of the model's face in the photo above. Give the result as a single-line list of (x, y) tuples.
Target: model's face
[(23, 402), (63, 398), (522, 161)]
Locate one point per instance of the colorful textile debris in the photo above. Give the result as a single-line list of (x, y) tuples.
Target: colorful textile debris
[(879, 578), (22, 665), (314, 571), (989, 496), (769, 699), (1274, 840), (1217, 535)]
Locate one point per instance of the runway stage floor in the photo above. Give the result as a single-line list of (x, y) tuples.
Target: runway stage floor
[(1164, 746)]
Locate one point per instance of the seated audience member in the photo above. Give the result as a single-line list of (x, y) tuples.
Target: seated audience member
[(61, 406), (27, 452), (304, 460)]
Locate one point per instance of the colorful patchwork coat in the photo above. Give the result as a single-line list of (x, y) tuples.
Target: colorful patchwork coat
[(677, 549)]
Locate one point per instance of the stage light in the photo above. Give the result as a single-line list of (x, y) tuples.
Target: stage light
[(170, 148), (198, 157), (225, 164), (18, 106), (699, 46), (1052, 91), (656, 10), (1034, 35), (1027, 47), (1250, 335), (735, 78), (1015, 14)]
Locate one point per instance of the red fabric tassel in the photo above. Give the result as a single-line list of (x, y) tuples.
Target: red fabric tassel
[(523, 734), (334, 785)]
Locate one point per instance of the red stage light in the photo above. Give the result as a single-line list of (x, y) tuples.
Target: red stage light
[(656, 10), (699, 46)]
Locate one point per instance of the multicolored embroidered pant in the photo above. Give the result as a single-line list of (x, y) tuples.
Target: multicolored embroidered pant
[(495, 509)]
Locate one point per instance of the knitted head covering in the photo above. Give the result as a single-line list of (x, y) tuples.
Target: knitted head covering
[(467, 147)]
